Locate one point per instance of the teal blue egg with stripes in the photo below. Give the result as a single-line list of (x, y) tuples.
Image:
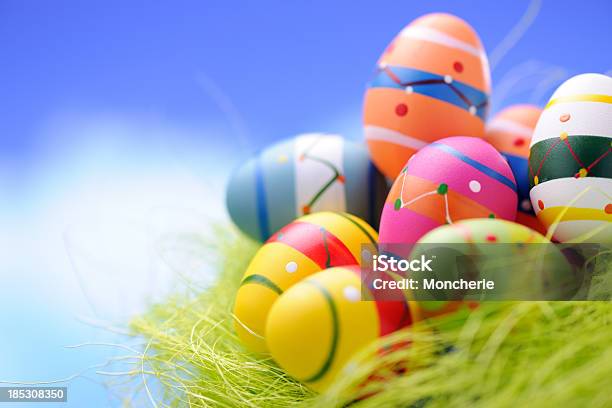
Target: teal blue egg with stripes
[(306, 174)]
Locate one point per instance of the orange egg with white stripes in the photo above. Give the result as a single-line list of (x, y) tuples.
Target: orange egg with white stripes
[(510, 132), (432, 82), (570, 161), (308, 245), (319, 324)]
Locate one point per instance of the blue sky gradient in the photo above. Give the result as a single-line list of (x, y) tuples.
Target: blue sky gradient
[(286, 67)]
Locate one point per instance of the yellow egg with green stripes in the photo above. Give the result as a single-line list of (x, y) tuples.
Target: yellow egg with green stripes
[(317, 326), (308, 245)]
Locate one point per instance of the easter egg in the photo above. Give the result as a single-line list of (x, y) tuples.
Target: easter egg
[(515, 278), (303, 175), (432, 82), (483, 231), (447, 181), (570, 165), (308, 245), (510, 132), (320, 323)]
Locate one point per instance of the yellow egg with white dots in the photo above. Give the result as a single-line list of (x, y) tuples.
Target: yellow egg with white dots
[(308, 245)]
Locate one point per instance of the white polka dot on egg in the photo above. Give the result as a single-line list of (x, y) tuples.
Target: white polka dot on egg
[(526, 205), (475, 186), (291, 267), (352, 294), (350, 368), (366, 255)]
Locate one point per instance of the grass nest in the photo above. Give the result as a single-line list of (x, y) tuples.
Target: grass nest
[(499, 355)]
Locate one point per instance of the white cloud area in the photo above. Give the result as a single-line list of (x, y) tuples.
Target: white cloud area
[(106, 220), (102, 202)]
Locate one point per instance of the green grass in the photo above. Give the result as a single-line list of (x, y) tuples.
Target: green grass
[(500, 355)]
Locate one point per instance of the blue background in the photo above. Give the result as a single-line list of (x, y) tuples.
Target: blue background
[(109, 109)]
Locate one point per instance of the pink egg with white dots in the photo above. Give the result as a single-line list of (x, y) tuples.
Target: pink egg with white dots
[(449, 180)]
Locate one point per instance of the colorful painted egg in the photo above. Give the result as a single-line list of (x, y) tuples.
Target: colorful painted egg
[(510, 132), (432, 81), (310, 244), (449, 180), (303, 175), (320, 323), (484, 231), (516, 276), (570, 165)]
